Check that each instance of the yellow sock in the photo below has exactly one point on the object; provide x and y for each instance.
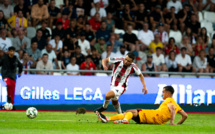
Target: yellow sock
(117, 117)
(128, 116)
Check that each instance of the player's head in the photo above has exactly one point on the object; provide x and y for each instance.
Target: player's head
(45, 58)
(3, 33)
(158, 50)
(78, 50)
(49, 48)
(25, 56)
(73, 60)
(94, 52)
(149, 58)
(88, 59)
(167, 92)
(11, 51)
(129, 58)
(183, 50)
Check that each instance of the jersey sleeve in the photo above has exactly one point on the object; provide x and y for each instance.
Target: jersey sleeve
(171, 101)
(178, 108)
(115, 60)
(136, 69)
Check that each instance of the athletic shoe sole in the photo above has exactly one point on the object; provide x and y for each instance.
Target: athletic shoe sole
(117, 122)
(100, 118)
(124, 122)
(121, 122)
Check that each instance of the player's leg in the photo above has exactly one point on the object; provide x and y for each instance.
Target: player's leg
(110, 94)
(116, 105)
(105, 119)
(13, 84)
(129, 114)
(124, 118)
(118, 91)
(8, 85)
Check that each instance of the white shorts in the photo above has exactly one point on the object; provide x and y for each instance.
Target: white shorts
(117, 91)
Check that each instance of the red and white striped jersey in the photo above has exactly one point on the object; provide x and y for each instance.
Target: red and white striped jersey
(121, 73)
(163, 36)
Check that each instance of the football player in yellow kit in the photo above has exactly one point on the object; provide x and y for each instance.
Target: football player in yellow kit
(166, 111)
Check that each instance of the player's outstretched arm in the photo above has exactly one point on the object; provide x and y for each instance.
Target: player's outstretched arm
(104, 63)
(183, 118)
(143, 82)
(172, 112)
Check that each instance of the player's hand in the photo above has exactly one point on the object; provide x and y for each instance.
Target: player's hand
(145, 90)
(19, 75)
(105, 67)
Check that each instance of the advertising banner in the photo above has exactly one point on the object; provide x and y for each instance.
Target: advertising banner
(56, 90)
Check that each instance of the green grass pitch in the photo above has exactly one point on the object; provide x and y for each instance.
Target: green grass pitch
(69, 123)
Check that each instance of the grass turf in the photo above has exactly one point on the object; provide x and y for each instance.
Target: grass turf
(69, 122)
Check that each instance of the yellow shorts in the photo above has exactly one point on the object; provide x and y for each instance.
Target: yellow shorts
(150, 116)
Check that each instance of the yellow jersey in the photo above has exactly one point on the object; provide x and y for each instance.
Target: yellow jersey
(153, 45)
(160, 115)
(22, 21)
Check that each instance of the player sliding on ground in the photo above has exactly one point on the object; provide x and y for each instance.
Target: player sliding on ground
(122, 69)
(166, 111)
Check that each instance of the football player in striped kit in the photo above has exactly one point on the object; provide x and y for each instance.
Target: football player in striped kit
(122, 69)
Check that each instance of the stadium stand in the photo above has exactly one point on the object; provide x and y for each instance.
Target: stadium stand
(76, 26)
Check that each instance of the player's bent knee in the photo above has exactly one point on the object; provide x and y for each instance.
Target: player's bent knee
(109, 95)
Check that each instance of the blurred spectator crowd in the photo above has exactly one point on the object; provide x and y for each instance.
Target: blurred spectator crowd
(164, 35)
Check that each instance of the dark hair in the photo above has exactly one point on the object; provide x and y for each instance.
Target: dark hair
(56, 35)
(93, 48)
(172, 51)
(211, 48)
(3, 14)
(2, 11)
(88, 57)
(81, 16)
(59, 23)
(186, 5)
(72, 57)
(172, 7)
(39, 30)
(33, 42)
(158, 48)
(204, 36)
(131, 55)
(13, 31)
(183, 48)
(109, 12)
(11, 48)
(45, 54)
(20, 11)
(96, 13)
(198, 39)
(66, 50)
(44, 21)
(171, 39)
(3, 29)
(169, 88)
(24, 53)
(202, 50)
(103, 22)
(129, 25)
